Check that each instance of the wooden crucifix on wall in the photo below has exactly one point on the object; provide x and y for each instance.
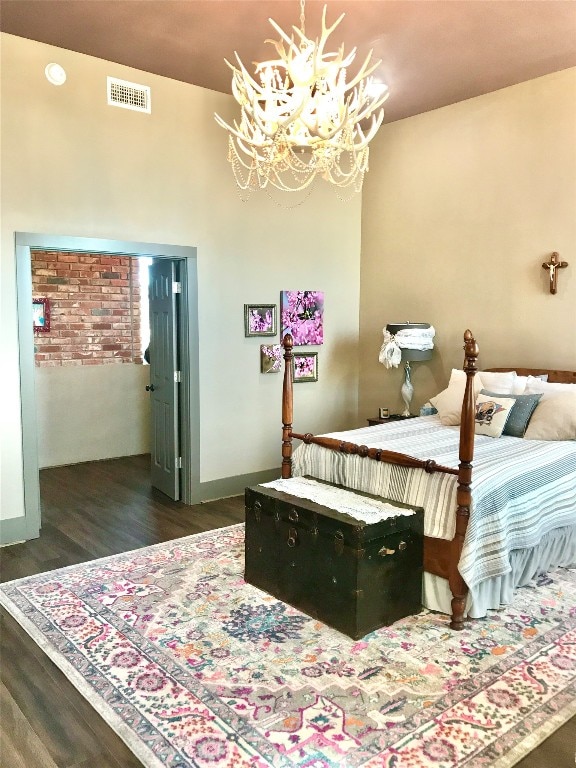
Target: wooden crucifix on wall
(553, 266)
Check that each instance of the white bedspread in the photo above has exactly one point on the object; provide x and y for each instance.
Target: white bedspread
(521, 489)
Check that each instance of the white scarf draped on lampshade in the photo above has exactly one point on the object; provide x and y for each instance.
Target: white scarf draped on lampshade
(406, 338)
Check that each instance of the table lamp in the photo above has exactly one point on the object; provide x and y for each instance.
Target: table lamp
(407, 342)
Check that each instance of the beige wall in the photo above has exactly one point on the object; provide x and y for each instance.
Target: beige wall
(92, 412)
(460, 208)
(71, 165)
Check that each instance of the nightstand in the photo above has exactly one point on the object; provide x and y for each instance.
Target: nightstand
(392, 417)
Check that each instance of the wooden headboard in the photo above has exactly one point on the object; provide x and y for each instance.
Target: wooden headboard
(559, 377)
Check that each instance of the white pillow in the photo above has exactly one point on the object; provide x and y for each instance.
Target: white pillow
(547, 388)
(520, 385)
(495, 381)
(554, 417)
(498, 381)
(521, 381)
(448, 403)
(456, 375)
(492, 414)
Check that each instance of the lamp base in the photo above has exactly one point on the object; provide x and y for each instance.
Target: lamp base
(407, 390)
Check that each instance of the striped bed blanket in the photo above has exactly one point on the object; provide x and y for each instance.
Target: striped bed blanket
(521, 489)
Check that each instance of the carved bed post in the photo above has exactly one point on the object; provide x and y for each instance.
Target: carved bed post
(458, 586)
(287, 408)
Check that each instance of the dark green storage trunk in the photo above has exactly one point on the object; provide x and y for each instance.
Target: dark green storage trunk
(352, 575)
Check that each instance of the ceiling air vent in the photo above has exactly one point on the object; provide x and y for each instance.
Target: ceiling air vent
(121, 93)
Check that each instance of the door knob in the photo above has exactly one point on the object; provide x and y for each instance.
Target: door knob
(150, 388)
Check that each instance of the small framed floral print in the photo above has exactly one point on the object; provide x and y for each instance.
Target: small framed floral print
(259, 319)
(270, 358)
(305, 366)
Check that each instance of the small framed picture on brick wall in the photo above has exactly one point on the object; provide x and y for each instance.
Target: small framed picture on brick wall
(41, 315)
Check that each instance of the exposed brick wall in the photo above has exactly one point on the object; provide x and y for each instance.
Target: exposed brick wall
(94, 308)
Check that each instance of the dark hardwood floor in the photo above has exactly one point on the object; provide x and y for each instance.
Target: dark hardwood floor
(89, 511)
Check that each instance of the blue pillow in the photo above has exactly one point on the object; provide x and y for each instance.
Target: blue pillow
(520, 414)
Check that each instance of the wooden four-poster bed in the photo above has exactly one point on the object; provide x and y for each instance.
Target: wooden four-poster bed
(441, 556)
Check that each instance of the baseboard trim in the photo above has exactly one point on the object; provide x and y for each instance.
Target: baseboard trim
(234, 486)
(15, 530)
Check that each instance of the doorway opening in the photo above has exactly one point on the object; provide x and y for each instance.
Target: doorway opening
(188, 354)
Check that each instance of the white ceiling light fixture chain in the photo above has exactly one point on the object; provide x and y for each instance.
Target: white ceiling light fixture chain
(303, 17)
(304, 119)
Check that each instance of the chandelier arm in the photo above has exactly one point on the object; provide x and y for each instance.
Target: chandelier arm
(241, 137)
(383, 97)
(244, 128)
(222, 123)
(359, 166)
(369, 110)
(240, 91)
(273, 63)
(302, 35)
(361, 103)
(260, 125)
(358, 98)
(366, 139)
(246, 76)
(327, 31)
(319, 44)
(364, 71)
(290, 40)
(251, 151)
(345, 61)
(358, 147)
(248, 166)
(282, 53)
(327, 135)
(280, 123)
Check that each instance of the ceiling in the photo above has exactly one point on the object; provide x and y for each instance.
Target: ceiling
(434, 52)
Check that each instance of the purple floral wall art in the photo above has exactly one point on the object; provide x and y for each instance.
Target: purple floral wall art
(259, 319)
(302, 315)
(270, 358)
(305, 367)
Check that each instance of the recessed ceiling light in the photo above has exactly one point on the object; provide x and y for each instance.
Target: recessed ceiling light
(55, 74)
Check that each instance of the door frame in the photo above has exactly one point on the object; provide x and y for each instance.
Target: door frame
(25, 243)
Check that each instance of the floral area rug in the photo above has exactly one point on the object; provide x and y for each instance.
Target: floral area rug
(194, 667)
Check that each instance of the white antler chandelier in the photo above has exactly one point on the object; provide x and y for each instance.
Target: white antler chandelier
(303, 119)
